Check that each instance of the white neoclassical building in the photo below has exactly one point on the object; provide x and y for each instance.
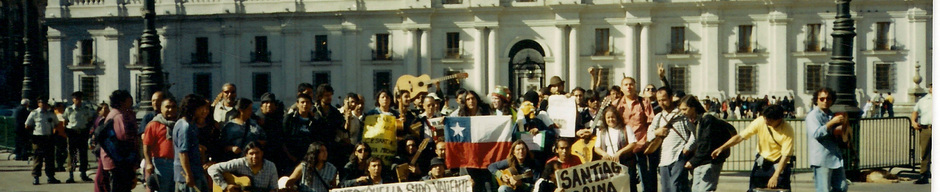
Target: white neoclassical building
(717, 48)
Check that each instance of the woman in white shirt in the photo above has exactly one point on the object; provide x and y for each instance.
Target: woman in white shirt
(613, 142)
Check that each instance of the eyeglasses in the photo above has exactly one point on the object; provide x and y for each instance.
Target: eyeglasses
(361, 150)
(824, 99)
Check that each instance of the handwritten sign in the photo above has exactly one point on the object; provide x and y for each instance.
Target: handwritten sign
(379, 133)
(563, 112)
(602, 175)
(450, 184)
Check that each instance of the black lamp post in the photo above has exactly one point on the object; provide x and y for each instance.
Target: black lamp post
(841, 78)
(152, 75)
(30, 41)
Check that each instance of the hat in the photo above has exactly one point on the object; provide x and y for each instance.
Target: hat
(555, 81)
(436, 161)
(501, 93)
(268, 97)
(434, 95)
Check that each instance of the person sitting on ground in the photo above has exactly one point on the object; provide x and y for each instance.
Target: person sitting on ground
(262, 172)
(548, 182)
(522, 168)
(358, 164)
(438, 170)
(314, 173)
(375, 175)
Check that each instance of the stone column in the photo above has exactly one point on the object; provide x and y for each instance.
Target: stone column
(230, 44)
(351, 59)
(573, 57)
(58, 68)
(779, 55)
(424, 57)
(560, 66)
(710, 67)
(293, 53)
(496, 69)
(412, 56)
(917, 31)
(479, 67)
(646, 68)
(629, 55)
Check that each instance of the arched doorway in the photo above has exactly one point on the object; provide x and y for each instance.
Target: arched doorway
(526, 67)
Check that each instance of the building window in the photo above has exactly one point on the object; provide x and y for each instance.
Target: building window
(260, 84)
(89, 87)
(452, 1)
(202, 84)
(815, 77)
(602, 41)
(321, 77)
(812, 38)
(746, 79)
(381, 51)
(881, 36)
(87, 52)
(261, 52)
(679, 78)
(883, 75)
(744, 39)
(382, 80)
(321, 50)
(677, 46)
(453, 45)
(202, 55)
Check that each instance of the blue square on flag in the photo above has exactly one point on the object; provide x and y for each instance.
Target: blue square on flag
(457, 129)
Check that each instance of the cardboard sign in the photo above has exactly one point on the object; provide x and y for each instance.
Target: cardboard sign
(563, 112)
(601, 175)
(379, 133)
(450, 184)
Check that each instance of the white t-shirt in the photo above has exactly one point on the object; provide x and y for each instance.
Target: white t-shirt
(611, 140)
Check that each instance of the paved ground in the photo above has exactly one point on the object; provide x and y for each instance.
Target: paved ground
(16, 177)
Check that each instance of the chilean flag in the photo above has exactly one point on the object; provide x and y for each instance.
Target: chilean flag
(475, 142)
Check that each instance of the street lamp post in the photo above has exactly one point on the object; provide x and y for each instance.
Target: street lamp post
(152, 72)
(841, 78)
(30, 56)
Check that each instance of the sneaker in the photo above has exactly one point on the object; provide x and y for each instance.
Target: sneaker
(53, 181)
(70, 180)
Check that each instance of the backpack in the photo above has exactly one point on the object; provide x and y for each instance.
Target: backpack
(121, 152)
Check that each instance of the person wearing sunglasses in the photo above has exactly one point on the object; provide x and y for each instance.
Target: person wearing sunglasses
(825, 155)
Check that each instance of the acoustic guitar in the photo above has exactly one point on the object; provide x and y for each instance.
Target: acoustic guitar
(517, 177)
(243, 183)
(418, 85)
(843, 133)
(402, 170)
(584, 149)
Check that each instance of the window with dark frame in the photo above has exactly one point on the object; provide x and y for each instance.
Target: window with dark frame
(89, 87)
(381, 51)
(450, 85)
(452, 1)
(382, 80)
(677, 46)
(321, 77)
(261, 52)
(261, 83)
(602, 41)
(881, 36)
(883, 75)
(453, 45)
(679, 78)
(202, 54)
(812, 37)
(321, 49)
(202, 84)
(815, 76)
(746, 79)
(87, 52)
(744, 39)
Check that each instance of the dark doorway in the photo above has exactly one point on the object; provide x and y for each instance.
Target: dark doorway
(526, 67)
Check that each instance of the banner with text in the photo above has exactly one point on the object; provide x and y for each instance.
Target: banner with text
(601, 175)
(379, 133)
(450, 184)
(563, 112)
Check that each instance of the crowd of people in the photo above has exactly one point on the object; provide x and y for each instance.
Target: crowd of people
(670, 141)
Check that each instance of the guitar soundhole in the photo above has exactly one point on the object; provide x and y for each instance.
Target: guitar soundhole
(421, 84)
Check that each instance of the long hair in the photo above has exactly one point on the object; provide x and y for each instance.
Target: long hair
(313, 152)
(242, 104)
(513, 161)
(390, 97)
(482, 108)
(692, 102)
(117, 98)
(550, 169)
(191, 103)
(619, 118)
(355, 160)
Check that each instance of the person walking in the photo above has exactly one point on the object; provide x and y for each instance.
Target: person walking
(41, 121)
(158, 146)
(120, 160)
(677, 140)
(711, 133)
(22, 148)
(187, 163)
(825, 155)
(922, 119)
(78, 119)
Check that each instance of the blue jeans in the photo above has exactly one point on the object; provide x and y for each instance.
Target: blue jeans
(830, 179)
(163, 170)
(705, 177)
(646, 168)
(201, 184)
(674, 176)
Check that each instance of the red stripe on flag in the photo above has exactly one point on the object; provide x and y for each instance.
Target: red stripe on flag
(476, 155)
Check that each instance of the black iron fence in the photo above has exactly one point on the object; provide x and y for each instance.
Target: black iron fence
(883, 143)
(7, 134)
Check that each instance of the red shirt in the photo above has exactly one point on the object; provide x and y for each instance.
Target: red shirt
(637, 114)
(155, 141)
(572, 161)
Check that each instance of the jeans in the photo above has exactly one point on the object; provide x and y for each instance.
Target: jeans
(646, 168)
(201, 184)
(705, 177)
(163, 170)
(674, 176)
(829, 179)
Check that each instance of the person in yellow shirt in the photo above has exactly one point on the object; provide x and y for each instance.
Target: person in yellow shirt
(772, 166)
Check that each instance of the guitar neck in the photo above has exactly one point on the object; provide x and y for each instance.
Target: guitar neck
(444, 78)
(421, 147)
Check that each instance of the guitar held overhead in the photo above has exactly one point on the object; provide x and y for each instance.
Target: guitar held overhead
(416, 86)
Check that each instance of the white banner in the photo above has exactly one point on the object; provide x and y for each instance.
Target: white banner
(563, 112)
(601, 175)
(450, 184)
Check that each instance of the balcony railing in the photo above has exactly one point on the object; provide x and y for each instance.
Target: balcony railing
(320, 55)
(261, 56)
(749, 47)
(452, 1)
(381, 55)
(884, 44)
(86, 60)
(814, 45)
(452, 53)
(201, 58)
(678, 47)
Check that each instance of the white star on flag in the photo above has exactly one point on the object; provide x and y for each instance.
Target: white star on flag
(458, 130)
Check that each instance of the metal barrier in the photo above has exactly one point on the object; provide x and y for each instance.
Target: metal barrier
(7, 133)
(883, 143)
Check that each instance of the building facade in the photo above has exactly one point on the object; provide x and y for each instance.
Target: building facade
(709, 48)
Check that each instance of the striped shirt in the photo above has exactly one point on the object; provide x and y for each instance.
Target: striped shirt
(266, 179)
(310, 183)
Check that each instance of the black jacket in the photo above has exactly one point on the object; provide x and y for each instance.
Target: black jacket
(712, 133)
